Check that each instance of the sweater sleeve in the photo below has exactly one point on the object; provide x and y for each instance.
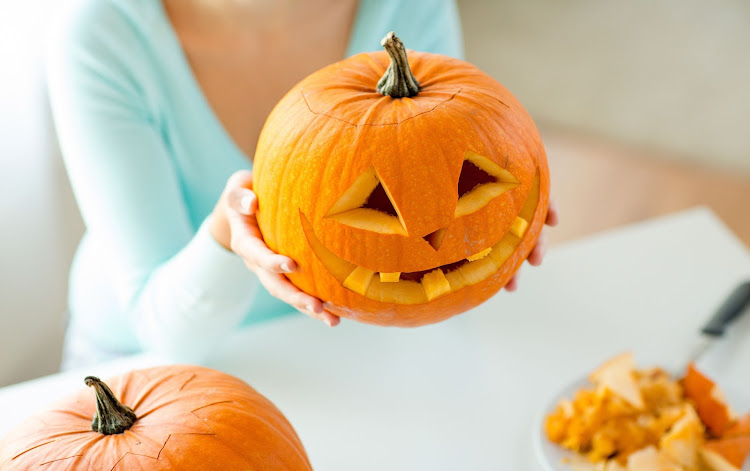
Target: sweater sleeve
(181, 290)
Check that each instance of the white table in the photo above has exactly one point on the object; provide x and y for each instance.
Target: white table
(466, 393)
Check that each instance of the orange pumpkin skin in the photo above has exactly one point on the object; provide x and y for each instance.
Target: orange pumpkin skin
(741, 427)
(189, 418)
(727, 454)
(333, 126)
(732, 450)
(709, 403)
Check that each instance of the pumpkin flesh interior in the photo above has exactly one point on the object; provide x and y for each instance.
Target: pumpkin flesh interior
(481, 181)
(366, 204)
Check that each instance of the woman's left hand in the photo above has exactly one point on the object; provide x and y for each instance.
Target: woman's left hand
(234, 226)
(537, 254)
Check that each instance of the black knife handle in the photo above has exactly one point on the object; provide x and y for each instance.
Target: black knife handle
(729, 311)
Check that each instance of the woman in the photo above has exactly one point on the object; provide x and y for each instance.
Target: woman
(157, 105)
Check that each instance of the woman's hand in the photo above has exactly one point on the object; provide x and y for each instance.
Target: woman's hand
(233, 225)
(537, 254)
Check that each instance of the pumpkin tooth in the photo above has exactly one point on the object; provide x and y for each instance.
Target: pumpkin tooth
(480, 255)
(359, 280)
(390, 277)
(519, 227)
(435, 284)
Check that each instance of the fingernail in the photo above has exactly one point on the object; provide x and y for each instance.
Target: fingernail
(241, 199)
(245, 202)
(328, 321)
(310, 308)
(286, 268)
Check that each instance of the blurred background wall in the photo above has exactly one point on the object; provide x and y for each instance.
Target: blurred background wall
(39, 220)
(668, 76)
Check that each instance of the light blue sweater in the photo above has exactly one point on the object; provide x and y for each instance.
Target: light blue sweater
(148, 159)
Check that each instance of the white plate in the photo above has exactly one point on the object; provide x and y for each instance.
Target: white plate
(550, 455)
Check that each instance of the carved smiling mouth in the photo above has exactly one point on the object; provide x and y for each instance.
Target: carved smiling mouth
(424, 286)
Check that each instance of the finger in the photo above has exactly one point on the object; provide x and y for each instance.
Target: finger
(553, 214)
(330, 319)
(236, 191)
(247, 243)
(243, 200)
(512, 285)
(240, 179)
(281, 288)
(537, 254)
(333, 318)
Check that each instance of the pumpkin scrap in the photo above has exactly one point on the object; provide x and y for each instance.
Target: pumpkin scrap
(625, 411)
(680, 443)
(709, 401)
(618, 376)
(726, 454)
(739, 428)
(642, 420)
(732, 450)
(650, 459)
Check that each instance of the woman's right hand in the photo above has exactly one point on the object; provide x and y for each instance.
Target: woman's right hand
(234, 226)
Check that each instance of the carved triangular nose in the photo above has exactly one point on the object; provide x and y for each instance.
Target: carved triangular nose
(435, 239)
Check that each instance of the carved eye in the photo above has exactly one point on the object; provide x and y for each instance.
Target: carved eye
(368, 205)
(480, 181)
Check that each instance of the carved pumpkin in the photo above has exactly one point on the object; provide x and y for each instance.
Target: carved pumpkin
(404, 199)
(182, 418)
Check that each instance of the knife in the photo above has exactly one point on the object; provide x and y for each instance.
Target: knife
(730, 310)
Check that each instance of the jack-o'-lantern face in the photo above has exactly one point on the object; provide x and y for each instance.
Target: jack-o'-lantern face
(367, 205)
(401, 211)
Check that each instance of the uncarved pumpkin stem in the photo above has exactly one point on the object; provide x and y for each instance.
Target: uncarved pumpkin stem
(398, 81)
(112, 417)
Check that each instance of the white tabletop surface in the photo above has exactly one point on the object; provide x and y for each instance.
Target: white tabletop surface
(466, 393)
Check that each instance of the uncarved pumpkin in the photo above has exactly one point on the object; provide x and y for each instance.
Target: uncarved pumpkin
(168, 418)
(404, 199)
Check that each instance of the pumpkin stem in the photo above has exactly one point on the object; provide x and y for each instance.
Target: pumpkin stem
(398, 81)
(111, 417)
